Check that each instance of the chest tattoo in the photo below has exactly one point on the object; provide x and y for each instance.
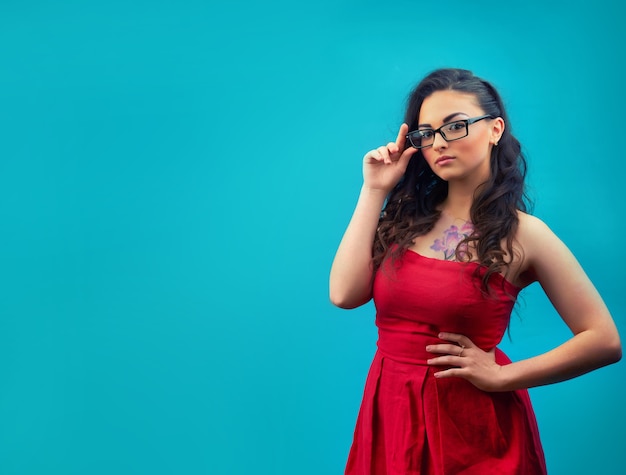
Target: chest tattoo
(451, 239)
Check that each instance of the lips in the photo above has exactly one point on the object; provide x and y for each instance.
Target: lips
(443, 160)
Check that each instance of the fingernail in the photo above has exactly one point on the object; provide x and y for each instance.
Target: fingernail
(428, 348)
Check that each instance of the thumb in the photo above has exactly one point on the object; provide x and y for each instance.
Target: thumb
(406, 155)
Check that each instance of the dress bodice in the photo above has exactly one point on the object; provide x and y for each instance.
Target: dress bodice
(417, 297)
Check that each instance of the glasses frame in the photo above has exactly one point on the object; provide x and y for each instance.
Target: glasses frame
(467, 122)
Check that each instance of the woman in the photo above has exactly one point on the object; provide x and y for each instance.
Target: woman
(444, 262)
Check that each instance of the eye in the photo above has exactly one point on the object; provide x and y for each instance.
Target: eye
(426, 134)
(455, 126)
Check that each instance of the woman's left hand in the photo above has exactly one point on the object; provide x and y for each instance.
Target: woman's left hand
(468, 361)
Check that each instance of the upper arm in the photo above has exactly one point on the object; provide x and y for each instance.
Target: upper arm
(549, 261)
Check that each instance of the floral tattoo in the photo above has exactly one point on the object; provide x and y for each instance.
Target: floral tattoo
(451, 239)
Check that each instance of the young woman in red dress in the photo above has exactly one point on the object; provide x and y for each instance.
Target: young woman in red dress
(441, 240)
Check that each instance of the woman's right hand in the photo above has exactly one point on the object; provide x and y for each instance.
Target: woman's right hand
(384, 166)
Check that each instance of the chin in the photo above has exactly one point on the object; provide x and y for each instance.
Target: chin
(446, 176)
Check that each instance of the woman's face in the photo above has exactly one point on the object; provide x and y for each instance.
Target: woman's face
(465, 159)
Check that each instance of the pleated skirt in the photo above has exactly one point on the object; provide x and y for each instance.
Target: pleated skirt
(412, 423)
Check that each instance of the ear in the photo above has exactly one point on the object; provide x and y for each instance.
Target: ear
(497, 129)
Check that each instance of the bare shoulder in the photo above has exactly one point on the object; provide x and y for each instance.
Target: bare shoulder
(531, 232)
(541, 249)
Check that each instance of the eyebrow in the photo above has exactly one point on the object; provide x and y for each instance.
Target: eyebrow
(445, 119)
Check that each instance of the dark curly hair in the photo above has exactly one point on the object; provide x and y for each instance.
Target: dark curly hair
(411, 206)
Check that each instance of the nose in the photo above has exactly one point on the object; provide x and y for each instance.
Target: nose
(439, 142)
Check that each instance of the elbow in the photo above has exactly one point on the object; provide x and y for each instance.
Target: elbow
(345, 300)
(341, 302)
(612, 351)
(615, 353)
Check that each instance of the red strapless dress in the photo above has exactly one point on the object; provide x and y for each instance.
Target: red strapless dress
(412, 423)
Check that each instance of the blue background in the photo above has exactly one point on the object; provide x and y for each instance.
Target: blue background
(175, 177)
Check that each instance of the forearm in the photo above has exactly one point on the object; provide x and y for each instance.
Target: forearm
(584, 352)
(351, 272)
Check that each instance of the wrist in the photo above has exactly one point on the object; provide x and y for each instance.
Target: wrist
(375, 192)
(505, 378)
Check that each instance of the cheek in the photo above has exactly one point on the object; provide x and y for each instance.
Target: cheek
(474, 147)
(429, 154)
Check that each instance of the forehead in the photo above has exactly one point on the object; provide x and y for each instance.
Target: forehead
(441, 104)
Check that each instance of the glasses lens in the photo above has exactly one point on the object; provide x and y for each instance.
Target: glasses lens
(454, 130)
(421, 138)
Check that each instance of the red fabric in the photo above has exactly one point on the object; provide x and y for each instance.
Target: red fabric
(412, 423)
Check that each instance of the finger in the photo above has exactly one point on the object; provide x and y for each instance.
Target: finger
(444, 349)
(449, 373)
(461, 340)
(384, 153)
(448, 360)
(373, 156)
(392, 148)
(401, 139)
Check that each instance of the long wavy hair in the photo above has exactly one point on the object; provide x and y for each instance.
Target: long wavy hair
(411, 208)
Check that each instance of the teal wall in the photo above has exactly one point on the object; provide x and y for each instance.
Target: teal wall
(175, 177)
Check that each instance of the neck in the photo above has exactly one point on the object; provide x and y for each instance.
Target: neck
(461, 192)
(458, 202)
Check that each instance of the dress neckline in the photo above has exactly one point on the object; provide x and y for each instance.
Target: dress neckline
(478, 264)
